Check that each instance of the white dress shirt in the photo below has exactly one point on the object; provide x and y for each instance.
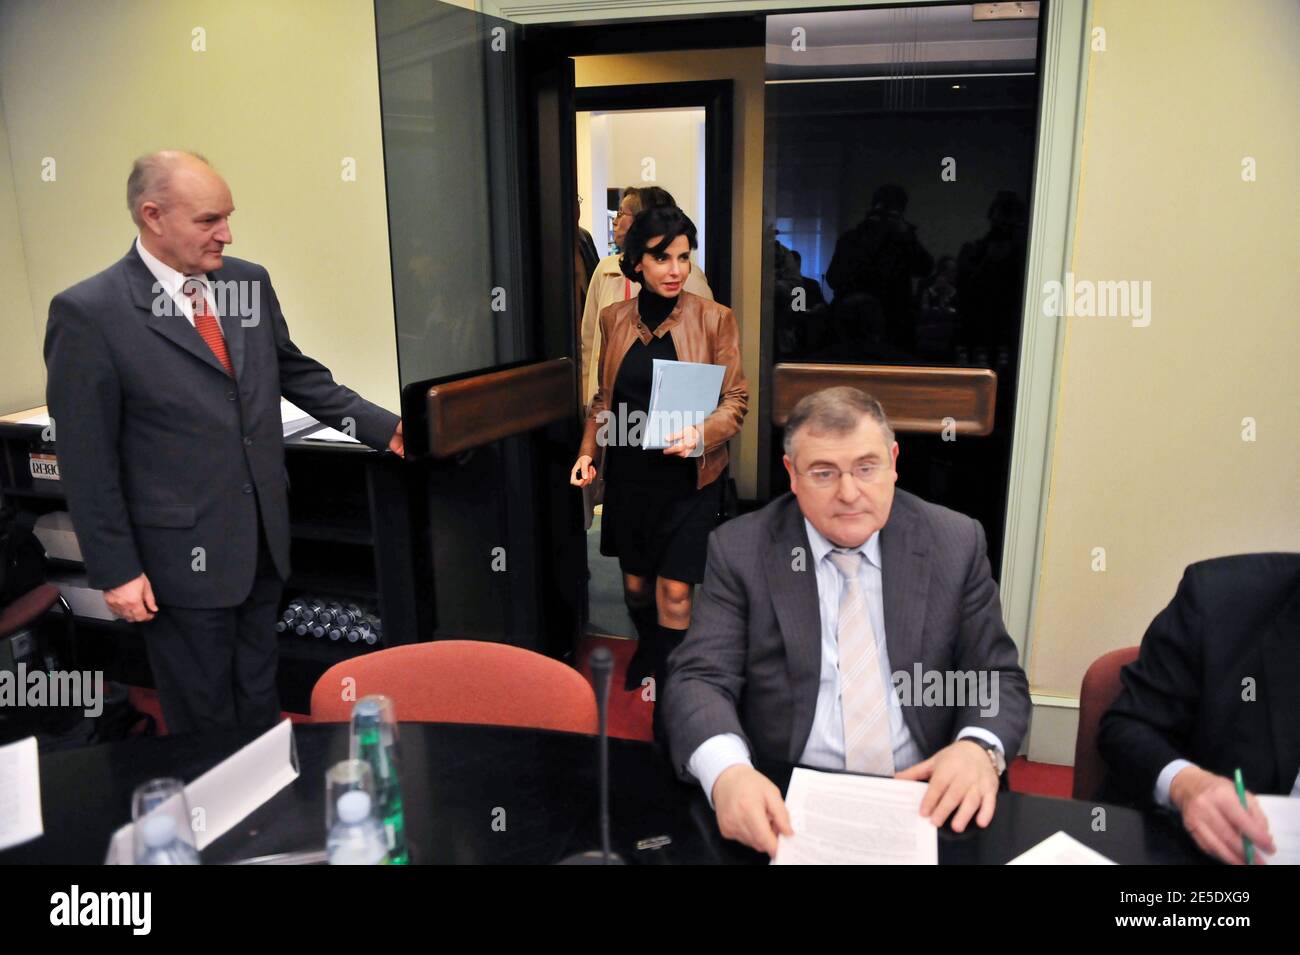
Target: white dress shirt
(824, 748)
(171, 281)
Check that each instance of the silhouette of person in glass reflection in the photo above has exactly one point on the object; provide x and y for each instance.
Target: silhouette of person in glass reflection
(872, 270)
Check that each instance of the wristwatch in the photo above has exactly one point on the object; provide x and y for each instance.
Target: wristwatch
(994, 753)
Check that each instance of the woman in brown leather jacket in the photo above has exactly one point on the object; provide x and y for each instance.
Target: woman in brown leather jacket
(659, 506)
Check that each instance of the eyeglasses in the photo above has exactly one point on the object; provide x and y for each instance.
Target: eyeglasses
(829, 477)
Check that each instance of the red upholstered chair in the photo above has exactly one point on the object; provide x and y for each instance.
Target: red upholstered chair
(1101, 686)
(462, 681)
(24, 613)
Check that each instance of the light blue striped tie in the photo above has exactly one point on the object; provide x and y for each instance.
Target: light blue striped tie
(867, 747)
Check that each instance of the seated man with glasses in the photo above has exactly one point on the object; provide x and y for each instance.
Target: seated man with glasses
(818, 617)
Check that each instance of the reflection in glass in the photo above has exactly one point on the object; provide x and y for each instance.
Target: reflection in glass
(446, 78)
(899, 154)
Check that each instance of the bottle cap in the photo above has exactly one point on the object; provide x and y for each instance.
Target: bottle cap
(354, 806)
(159, 829)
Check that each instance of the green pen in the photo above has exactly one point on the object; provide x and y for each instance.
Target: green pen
(1241, 794)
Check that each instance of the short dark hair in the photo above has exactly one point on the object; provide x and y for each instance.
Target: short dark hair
(668, 221)
(648, 197)
(835, 411)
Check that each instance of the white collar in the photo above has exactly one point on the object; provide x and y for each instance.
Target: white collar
(170, 280)
(870, 548)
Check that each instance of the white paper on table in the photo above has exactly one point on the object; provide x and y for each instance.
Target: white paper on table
(1060, 848)
(228, 792)
(20, 793)
(1284, 825)
(293, 419)
(42, 418)
(840, 819)
(331, 434)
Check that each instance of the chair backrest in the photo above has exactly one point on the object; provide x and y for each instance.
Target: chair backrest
(24, 611)
(1101, 686)
(461, 681)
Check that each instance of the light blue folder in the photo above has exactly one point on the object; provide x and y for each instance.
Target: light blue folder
(682, 393)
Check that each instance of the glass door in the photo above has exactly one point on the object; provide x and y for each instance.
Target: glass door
(474, 172)
(898, 162)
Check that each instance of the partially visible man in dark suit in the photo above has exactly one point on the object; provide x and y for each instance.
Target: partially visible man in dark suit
(816, 609)
(1216, 687)
(165, 373)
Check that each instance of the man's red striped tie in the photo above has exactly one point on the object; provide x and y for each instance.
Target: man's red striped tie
(206, 324)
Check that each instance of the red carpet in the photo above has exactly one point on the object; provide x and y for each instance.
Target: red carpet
(629, 714)
(1041, 779)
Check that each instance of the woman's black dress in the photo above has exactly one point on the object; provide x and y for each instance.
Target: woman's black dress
(654, 519)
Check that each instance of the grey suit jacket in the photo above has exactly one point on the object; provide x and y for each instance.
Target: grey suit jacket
(165, 459)
(751, 662)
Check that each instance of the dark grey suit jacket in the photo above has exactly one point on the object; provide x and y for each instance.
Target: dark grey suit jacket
(751, 662)
(1234, 623)
(161, 452)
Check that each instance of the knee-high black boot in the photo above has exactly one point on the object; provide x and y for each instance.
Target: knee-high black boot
(641, 665)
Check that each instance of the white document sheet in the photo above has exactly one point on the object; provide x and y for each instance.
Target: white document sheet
(332, 435)
(840, 819)
(1284, 824)
(1060, 849)
(228, 792)
(293, 419)
(681, 393)
(20, 793)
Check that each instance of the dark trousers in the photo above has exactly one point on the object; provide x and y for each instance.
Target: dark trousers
(216, 668)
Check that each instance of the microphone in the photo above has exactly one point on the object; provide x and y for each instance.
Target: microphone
(602, 665)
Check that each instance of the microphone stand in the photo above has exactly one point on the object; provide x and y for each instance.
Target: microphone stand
(602, 665)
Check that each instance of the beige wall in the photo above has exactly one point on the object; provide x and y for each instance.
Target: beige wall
(1149, 460)
(745, 67)
(284, 92)
(22, 372)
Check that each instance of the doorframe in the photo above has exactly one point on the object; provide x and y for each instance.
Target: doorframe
(643, 26)
(717, 97)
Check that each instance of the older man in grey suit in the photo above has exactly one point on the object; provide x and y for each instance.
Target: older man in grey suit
(165, 373)
(846, 626)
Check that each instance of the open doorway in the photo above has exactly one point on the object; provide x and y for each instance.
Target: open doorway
(674, 137)
(484, 182)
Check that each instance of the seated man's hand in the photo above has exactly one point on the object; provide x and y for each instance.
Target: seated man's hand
(962, 779)
(750, 808)
(1213, 815)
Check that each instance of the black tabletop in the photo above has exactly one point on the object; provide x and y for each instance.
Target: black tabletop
(487, 794)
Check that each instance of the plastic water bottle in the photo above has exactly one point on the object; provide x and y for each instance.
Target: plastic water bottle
(161, 844)
(374, 740)
(356, 838)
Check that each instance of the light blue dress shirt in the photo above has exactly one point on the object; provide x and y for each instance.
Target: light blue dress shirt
(824, 748)
(1166, 779)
